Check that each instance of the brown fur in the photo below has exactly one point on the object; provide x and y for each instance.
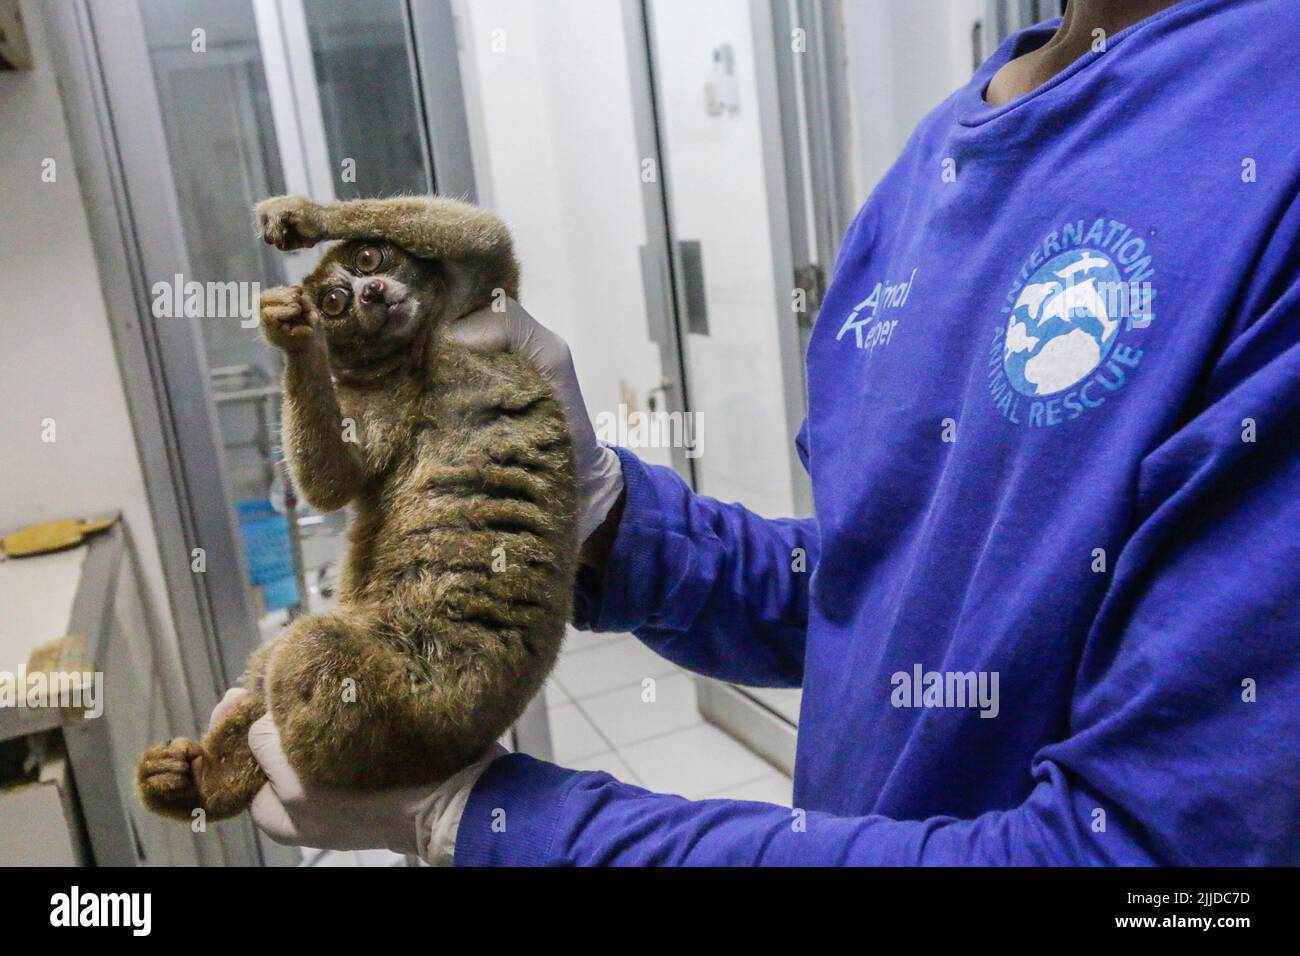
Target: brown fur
(458, 582)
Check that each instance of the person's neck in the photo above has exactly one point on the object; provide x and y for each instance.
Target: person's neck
(1076, 36)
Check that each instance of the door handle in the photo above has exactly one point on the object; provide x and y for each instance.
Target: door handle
(652, 396)
(690, 253)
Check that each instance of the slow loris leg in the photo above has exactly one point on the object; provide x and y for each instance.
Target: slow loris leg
(426, 227)
(217, 776)
(327, 468)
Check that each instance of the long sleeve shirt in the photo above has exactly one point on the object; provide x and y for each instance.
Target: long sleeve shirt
(1048, 611)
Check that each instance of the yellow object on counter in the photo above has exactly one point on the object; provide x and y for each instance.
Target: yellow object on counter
(52, 536)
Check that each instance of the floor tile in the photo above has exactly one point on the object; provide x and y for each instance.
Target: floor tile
(380, 858)
(611, 763)
(556, 695)
(572, 735)
(336, 858)
(784, 701)
(605, 667)
(624, 717)
(693, 762)
(576, 641)
(774, 788)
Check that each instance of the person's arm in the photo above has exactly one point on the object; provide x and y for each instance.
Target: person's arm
(594, 556)
(710, 586)
(1184, 731)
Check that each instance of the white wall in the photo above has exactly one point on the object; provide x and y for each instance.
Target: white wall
(717, 170)
(56, 353)
(904, 58)
(555, 155)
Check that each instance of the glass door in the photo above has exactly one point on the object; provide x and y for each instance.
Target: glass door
(257, 98)
(721, 140)
(630, 146)
(201, 108)
(732, 203)
(554, 107)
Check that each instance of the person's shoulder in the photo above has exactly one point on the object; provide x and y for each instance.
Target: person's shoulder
(1260, 24)
(939, 120)
(1260, 13)
(1237, 54)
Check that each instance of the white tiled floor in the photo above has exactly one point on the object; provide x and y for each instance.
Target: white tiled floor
(588, 670)
(643, 709)
(616, 706)
(776, 788)
(630, 714)
(694, 762)
(608, 762)
(573, 735)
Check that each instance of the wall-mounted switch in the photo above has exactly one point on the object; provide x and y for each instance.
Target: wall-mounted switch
(722, 92)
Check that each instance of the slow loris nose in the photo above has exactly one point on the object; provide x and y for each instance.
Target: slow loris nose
(373, 291)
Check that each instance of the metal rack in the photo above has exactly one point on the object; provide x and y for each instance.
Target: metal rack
(106, 825)
(252, 385)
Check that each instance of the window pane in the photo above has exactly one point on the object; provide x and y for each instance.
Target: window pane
(361, 51)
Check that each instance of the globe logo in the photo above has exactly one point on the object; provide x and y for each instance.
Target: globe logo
(1061, 327)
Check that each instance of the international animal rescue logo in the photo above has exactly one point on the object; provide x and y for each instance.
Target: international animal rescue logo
(1074, 320)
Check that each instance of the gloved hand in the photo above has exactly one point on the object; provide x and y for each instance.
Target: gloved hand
(420, 821)
(600, 474)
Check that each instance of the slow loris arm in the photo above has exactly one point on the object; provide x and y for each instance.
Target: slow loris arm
(326, 468)
(427, 227)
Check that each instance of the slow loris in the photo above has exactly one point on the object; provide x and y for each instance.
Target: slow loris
(459, 468)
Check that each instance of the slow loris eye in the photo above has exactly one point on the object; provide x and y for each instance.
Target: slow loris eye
(335, 302)
(369, 258)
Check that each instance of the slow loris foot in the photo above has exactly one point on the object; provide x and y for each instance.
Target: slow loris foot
(167, 779)
(218, 776)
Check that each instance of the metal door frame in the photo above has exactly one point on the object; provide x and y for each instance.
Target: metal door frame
(1005, 17)
(795, 214)
(660, 264)
(435, 41)
(107, 87)
(120, 151)
(817, 133)
(803, 115)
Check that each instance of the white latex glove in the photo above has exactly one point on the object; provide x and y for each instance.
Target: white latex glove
(420, 821)
(600, 474)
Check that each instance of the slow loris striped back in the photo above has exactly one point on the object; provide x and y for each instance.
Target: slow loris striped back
(459, 470)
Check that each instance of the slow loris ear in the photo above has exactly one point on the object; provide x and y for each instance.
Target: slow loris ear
(475, 284)
(479, 255)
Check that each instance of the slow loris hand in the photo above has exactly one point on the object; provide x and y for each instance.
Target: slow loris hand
(291, 222)
(287, 320)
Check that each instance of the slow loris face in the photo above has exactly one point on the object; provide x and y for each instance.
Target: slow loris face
(371, 298)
